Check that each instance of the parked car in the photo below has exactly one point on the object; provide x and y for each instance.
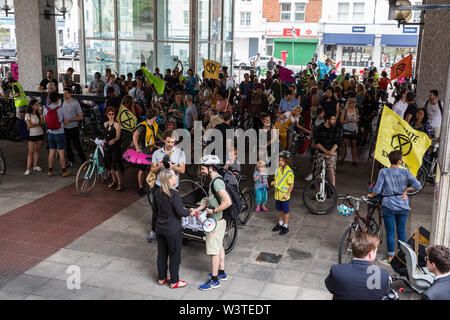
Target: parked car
(70, 49)
(8, 50)
(249, 63)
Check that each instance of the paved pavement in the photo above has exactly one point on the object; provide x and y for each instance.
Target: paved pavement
(116, 262)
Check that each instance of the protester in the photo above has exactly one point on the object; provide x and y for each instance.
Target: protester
(49, 78)
(438, 262)
(113, 153)
(411, 110)
(35, 122)
(97, 86)
(433, 107)
(261, 186)
(400, 107)
(349, 120)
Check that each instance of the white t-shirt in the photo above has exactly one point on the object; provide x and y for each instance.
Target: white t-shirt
(434, 115)
(288, 116)
(400, 108)
(36, 131)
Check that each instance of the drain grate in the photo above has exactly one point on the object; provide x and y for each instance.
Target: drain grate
(268, 257)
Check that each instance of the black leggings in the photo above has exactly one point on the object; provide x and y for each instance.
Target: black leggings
(113, 158)
(169, 245)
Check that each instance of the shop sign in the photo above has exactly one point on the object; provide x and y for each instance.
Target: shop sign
(409, 29)
(287, 32)
(358, 29)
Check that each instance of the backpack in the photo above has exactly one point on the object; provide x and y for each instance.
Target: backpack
(232, 212)
(51, 119)
(439, 104)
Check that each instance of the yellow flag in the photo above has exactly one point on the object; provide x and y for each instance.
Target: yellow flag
(396, 134)
(211, 68)
(126, 119)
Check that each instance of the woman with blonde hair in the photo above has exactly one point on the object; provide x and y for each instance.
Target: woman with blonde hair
(349, 120)
(167, 210)
(286, 123)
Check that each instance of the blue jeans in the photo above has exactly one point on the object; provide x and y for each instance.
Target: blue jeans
(261, 196)
(394, 219)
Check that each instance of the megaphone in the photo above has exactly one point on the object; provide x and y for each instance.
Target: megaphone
(208, 224)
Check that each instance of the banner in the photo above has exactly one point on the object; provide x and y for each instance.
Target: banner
(402, 69)
(396, 134)
(211, 68)
(126, 119)
(286, 74)
(156, 81)
(323, 69)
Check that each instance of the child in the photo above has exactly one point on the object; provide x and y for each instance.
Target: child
(261, 185)
(284, 183)
(234, 166)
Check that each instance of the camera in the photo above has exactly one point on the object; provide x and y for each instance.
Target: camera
(166, 161)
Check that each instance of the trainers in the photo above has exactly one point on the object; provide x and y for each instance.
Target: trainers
(283, 231)
(257, 209)
(222, 277)
(38, 169)
(69, 164)
(277, 227)
(27, 173)
(208, 285)
(309, 177)
(384, 261)
(66, 173)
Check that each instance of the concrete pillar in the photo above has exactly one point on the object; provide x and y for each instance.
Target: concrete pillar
(36, 42)
(376, 55)
(339, 50)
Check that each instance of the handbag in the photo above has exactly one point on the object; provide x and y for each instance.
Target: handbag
(151, 179)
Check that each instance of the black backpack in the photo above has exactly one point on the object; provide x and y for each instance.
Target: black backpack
(232, 212)
(439, 104)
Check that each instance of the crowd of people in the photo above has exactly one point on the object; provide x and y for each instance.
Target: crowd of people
(332, 111)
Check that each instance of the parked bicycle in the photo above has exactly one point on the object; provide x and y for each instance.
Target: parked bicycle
(371, 223)
(427, 171)
(90, 170)
(319, 195)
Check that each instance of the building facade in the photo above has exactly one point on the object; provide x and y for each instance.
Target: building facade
(357, 32)
(121, 34)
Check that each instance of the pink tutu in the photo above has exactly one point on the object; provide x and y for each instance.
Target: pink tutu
(134, 157)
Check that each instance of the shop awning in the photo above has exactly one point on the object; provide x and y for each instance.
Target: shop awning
(349, 39)
(399, 40)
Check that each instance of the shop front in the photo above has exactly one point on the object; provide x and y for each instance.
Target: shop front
(396, 47)
(355, 50)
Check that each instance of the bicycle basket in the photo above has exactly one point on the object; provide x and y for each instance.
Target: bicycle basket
(344, 210)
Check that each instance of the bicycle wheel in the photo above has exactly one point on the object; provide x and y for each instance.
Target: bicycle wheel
(12, 129)
(345, 247)
(374, 224)
(313, 199)
(2, 163)
(248, 205)
(86, 177)
(192, 171)
(422, 177)
(230, 238)
(106, 175)
(297, 162)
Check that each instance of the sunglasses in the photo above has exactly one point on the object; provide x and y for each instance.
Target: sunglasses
(110, 114)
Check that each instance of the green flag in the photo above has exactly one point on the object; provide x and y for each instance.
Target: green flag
(157, 82)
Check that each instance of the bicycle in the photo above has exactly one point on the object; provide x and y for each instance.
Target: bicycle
(2, 162)
(298, 141)
(428, 169)
(90, 170)
(319, 195)
(371, 223)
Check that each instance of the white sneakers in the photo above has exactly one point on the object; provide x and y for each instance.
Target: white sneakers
(38, 169)
(27, 173)
(309, 177)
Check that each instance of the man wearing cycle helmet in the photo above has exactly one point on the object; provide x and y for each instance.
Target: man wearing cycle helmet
(97, 86)
(214, 206)
(284, 184)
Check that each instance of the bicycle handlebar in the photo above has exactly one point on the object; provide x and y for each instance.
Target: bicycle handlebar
(349, 197)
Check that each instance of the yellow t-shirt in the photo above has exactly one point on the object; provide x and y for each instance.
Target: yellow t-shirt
(290, 180)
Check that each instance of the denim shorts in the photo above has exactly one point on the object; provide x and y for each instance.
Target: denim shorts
(57, 141)
(282, 206)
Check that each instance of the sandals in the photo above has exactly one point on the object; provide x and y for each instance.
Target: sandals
(179, 284)
(112, 185)
(163, 282)
(119, 187)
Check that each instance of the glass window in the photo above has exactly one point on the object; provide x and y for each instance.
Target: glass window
(202, 54)
(285, 11)
(392, 55)
(186, 18)
(132, 53)
(170, 53)
(226, 59)
(104, 50)
(300, 11)
(356, 56)
(227, 19)
(330, 51)
(99, 18)
(170, 22)
(216, 20)
(135, 19)
(245, 18)
(343, 11)
(358, 11)
(269, 47)
(203, 19)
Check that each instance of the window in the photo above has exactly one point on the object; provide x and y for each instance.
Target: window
(343, 11)
(300, 11)
(358, 11)
(269, 47)
(186, 18)
(416, 13)
(245, 18)
(285, 12)
(353, 56)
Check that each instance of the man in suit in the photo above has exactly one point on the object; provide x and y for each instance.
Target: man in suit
(359, 279)
(438, 262)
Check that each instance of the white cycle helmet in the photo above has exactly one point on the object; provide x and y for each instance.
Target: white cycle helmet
(210, 160)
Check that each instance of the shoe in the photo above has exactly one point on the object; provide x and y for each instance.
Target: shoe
(38, 169)
(208, 285)
(309, 177)
(66, 173)
(257, 209)
(163, 282)
(141, 191)
(384, 261)
(50, 173)
(112, 185)
(69, 164)
(27, 173)
(283, 231)
(277, 227)
(179, 284)
(264, 209)
(222, 277)
(119, 188)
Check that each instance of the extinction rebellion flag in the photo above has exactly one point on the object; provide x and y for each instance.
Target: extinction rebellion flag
(402, 69)
(396, 134)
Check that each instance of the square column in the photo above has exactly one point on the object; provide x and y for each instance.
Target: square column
(36, 42)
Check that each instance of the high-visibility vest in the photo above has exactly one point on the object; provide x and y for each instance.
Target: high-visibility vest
(281, 179)
(21, 100)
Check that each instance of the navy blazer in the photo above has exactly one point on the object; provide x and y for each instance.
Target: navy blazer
(439, 290)
(350, 281)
